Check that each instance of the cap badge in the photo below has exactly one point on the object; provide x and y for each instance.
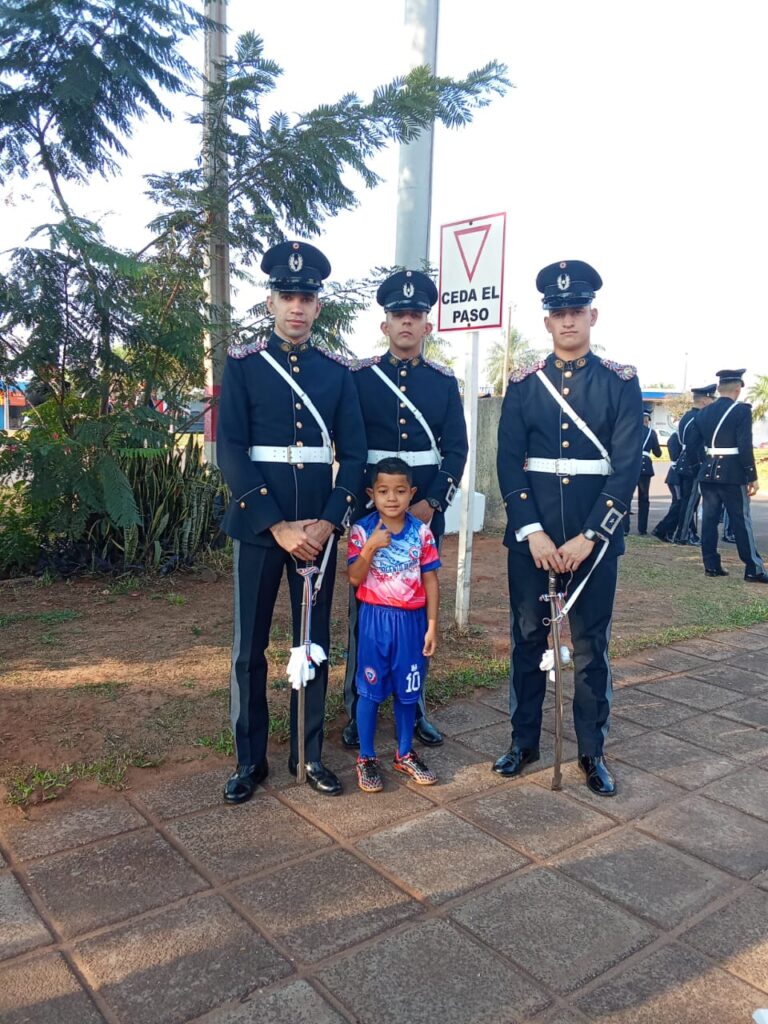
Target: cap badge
(408, 290)
(295, 262)
(563, 282)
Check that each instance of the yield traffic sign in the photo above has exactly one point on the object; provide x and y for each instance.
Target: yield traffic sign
(471, 273)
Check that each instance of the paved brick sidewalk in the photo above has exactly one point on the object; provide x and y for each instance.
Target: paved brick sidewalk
(475, 901)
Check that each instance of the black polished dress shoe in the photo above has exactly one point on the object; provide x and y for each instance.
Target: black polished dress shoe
(599, 779)
(427, 733)
(759, 578)
(350, 736)
(515, 759)
(241, 784)
(716, 572)
(319, 777)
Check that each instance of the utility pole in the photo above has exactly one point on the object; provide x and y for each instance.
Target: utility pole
(414, 192)
(217, 179)
(505, 365)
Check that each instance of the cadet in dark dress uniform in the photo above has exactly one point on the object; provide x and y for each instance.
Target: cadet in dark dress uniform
(568, 460)
(688, 467)
(721, 436)
(665, 528)
(287, 408)
(650, 446)
(412, 410)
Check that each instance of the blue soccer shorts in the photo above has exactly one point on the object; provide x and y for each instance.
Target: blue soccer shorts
(389, 658)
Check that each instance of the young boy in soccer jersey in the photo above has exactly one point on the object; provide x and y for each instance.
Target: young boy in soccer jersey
(393, 563)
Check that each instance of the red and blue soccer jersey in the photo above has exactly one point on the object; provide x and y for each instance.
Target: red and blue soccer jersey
(394, 578)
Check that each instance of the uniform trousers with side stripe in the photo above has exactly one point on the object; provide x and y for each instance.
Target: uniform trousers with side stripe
(735, 500)
(258, 571)
(590, 627)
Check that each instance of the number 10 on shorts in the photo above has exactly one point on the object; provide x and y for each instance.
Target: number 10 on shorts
(413, 679)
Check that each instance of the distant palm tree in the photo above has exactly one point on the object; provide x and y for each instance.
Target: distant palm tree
(758, 396)
(519, 353)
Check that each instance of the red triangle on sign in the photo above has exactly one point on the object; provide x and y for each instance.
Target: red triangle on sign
(469, 244)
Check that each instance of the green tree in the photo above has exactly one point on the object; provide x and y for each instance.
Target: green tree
(519, 353)
(103, 330)
(758, 396)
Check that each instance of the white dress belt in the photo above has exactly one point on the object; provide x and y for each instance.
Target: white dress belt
(570, 467)
(722, 451)
(293, 454)
(422, 458)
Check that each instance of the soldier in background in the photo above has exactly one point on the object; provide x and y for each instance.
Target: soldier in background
(650, 446)
(721, 437)
(687, 467)
(665, 528)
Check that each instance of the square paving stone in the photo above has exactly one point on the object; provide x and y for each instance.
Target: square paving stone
(737, 938)
(744, 639)
(498, 698)
(564, 1017)
(180, 963)
(173, 798)
(753, 712)
(746, 790)
(535, 820)
(297, 1003)
(716, 833)
(356, 812)
(466, 715)
(675, 760)
(554, 928)
(494, 741)
(734, 739)
(440, 855)
(705, 647)
(669, 660)
(753, 662)
(694, 693)
(111, 881)
(240, 840)
(646, 706)
(325, 904)
(646, 876)
(637, 792)
(59, 829)
(43, 990)
(435, 966)
(627, 673)
(731, 678)
(621, 729)
(674, 985)
(20, 927)
(460, 771)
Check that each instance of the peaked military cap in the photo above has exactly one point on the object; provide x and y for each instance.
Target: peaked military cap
(407, 289)
(705, 392)
(730, 376)
(295, 267)
(568, 284)
(647, 411)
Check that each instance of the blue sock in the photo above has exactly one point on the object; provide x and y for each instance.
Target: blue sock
(367, 711)
(405, 721)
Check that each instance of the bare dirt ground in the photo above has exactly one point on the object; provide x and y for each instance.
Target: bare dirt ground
(102, 677)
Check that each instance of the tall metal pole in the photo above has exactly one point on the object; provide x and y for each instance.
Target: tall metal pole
(217, 178)
(467, 527)
(505, 364)
(414, 193)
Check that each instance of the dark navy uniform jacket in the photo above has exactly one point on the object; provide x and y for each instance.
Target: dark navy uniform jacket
(674, 449)
(689, 461)
(651, 445)
(607, 397)
(258, 407)
(736, 432)
(391, 426)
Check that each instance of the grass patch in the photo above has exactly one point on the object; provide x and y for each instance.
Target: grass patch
(463, 682)
(39, 785)
(125, 584)
(110, 689)
(222, 742)
(44, 618)
(714, 619)
(176, 599)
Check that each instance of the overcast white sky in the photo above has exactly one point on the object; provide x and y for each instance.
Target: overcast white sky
(633, 140)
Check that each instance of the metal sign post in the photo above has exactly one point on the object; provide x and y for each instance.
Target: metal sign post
(471, 280)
